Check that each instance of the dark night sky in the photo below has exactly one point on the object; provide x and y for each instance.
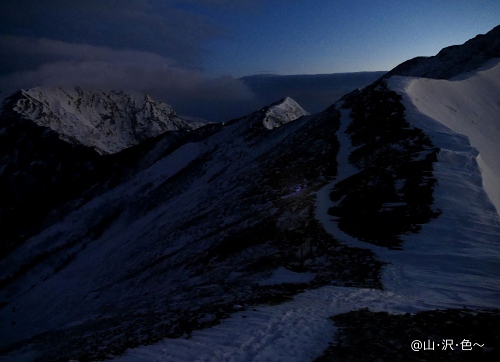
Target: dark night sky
(197, 49)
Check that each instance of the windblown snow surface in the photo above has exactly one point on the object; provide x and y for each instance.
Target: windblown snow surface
(451, 263)
(469, 105)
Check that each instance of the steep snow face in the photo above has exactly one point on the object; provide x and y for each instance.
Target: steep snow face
(469, 106)
(107, 122)
(282, 112)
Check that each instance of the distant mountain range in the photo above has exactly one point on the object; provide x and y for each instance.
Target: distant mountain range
(126, 230)
(314, 92)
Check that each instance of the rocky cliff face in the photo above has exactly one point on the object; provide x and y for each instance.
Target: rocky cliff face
(56, 144)
(108, 122)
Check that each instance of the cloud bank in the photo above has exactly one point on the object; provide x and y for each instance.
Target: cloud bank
(148, 46)
(188, 90)
(162, 27)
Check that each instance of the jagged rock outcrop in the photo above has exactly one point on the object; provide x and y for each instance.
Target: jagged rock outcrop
(108, 122)
(56, 144)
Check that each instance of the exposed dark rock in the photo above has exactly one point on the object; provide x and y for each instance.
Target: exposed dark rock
(392, 193)
(453, 60)
(379, 336)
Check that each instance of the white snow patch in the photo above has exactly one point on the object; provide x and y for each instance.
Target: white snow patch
(295, 331)
(285, 111)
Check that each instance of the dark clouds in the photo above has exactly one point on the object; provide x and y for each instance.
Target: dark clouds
(145, 25)
(149, 46)
(98, 67)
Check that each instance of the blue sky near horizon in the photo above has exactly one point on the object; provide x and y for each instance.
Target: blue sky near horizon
(194, 51)
(312, 37)
(246, 37)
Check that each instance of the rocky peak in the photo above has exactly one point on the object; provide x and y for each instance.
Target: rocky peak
(276, 114)
(106, 121)
(284, 111)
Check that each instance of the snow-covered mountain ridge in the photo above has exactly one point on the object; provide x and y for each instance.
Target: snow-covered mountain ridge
(181, 247)
(106, 121)
(410, 167)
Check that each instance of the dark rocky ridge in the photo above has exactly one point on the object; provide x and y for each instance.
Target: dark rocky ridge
(453, 60)
(368, 336)
(392, 193)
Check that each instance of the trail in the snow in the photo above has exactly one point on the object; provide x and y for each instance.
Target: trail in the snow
(451, 263)
(295, 331)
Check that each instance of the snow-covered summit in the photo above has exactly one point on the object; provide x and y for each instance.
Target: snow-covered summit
(106, 121)
(281, 112)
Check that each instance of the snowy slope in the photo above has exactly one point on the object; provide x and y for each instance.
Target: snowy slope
(56, 143)
(296, 331)
(176, 245)
(468, 105)
(108, 122)
(451, 263)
